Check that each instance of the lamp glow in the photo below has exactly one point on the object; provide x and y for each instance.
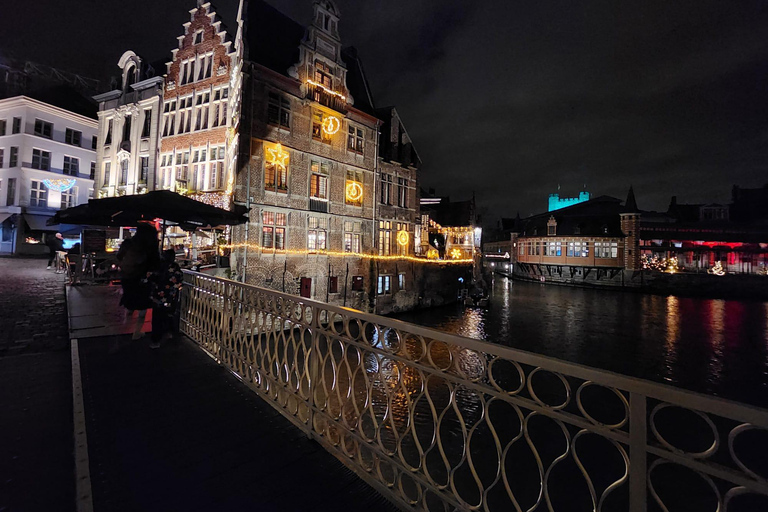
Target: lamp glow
(402, 238)
(354, 191)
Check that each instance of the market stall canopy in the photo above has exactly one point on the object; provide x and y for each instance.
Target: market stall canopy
(158, 204)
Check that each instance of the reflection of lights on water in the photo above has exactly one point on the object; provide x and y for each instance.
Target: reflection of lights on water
(717, 334)
(673, 332)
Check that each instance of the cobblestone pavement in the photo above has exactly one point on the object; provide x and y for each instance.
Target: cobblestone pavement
(36, 448)
(34, 313)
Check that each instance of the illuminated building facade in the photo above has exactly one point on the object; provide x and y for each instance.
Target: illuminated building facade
(330, 180)
(126, 153)
(47, 159)
(450, 229)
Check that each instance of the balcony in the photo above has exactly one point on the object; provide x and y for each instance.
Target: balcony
(318, 205)
(319, 94)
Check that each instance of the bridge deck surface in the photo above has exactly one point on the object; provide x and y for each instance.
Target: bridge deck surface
(169, 429)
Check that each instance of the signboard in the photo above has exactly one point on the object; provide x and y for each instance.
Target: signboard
(94, 240)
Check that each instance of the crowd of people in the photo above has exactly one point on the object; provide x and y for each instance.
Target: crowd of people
(150, 280)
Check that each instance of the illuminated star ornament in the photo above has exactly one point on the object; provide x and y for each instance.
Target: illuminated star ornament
(278, 156)
(331, 125)
(455, 253)
(402, 238)
(354, 191)
(60, 185)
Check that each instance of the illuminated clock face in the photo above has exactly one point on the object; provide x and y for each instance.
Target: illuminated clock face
(402, 237)
(331, 125)
(354, 191)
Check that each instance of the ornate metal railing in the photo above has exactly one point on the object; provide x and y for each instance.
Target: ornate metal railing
(440, 422)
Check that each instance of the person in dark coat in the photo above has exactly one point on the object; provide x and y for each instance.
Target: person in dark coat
(54, 244)
(138, 258)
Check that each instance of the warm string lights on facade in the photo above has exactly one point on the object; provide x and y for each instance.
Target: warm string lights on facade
(354, 191)
(329, 91)
(331, 125)
(277, 156)
(304, 252)
(59, 185)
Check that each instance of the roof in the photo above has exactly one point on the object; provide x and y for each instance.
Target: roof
(67, 98)
(272, 40)
(596, 217)
(447, 213)
(394, 143)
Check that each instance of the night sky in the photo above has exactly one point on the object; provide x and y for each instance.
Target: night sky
(507, 98)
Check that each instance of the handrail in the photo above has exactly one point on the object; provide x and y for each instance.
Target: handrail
(436, 420)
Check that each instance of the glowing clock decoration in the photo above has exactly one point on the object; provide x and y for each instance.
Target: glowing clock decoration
(59, 185)
(331, 125)
(277, 156)
(402, 238)
(354, 191)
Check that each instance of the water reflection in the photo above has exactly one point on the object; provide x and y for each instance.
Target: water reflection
(714, 346)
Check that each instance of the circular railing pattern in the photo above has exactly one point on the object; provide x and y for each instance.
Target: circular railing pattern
(439, 422)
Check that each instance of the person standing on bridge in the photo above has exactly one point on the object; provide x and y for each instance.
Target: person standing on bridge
(138, 258)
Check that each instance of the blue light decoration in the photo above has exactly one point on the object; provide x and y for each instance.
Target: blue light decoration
(59, 185)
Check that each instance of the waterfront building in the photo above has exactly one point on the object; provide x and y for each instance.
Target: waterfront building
(556, 202)
(331, 181)
(452, 228)
(47, 161)
(127, 148)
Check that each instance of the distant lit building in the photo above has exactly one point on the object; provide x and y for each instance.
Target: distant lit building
(556, 202)
(47, 161)
(450, 229)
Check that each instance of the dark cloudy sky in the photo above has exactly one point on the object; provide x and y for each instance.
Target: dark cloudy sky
(511, 98)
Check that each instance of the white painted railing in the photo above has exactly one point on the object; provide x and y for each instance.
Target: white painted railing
(440, 422)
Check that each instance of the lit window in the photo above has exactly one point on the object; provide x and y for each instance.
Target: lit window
(354, 188)
(384, 285)
(318, 133)
(355, 139)
(273, 230)
(317, 233)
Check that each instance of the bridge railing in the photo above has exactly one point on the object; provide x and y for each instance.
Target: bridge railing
(441, 422)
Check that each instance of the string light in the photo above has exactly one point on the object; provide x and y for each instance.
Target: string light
(354, 191)
(402, 238)
(331, 125)
(317, 84)
(278, 156)
(304, 252)
(59, 185)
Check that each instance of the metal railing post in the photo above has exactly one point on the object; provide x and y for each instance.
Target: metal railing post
(637, 453)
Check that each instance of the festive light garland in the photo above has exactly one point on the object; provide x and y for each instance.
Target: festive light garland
(354, 191)
(304, 252)
(278, 156)
(59, 185)
(402, 238)
(317, 84)
(331, 125)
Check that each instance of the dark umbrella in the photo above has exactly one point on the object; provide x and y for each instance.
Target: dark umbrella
(158, 204)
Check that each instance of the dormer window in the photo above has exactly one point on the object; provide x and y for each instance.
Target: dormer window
(551, 226)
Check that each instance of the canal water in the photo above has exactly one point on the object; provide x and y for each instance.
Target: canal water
(717, 347)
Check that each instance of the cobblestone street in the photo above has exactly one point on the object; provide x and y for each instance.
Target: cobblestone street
(36, 452)
(34, 316)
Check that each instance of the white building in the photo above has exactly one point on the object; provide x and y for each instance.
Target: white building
(129, 117)
(47, 161)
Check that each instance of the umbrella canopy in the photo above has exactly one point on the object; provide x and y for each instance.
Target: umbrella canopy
(158, 204)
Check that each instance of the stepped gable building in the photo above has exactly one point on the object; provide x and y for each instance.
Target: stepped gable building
(47, 158)
(129, 114)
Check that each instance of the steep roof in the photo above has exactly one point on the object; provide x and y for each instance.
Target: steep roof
(271, 38)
